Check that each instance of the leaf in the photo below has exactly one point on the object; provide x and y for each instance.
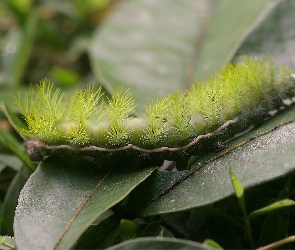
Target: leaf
(276, 224)
(64, 76)
(239, 191)
(11, 197)
(237, 185)
(16, 147)
(159, 243)
(231, 22)
(18, 46)
(212, 243)
(162, 46)
(165, 233)
(102, 235)
(272, 207)
(274, 34)
(11, 161)
(7, 96)
(9, 141)
(127, 229)
(14, 120)
(260, 160)
(63, 197)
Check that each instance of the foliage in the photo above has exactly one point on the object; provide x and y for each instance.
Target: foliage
(154, 48)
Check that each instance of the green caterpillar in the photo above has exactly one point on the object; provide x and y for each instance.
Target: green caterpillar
(171, 128)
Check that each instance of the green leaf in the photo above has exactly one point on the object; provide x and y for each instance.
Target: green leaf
(257, 161)
(19, 44)
(237, 185)
(63, 76)
(159, 243)
(273, 33)
(11, 198)
(165, 233)
(276, 223)
(11, 161)
(239, 191)
(7, 95)
(272, 207)
(155, 229)
(127, 229)
(14, 120)
(212, 243)
(63, 198)
(16, 147)
(9, 141)
(19, 9)
(225, 34)
(102, 235)
(145, 47)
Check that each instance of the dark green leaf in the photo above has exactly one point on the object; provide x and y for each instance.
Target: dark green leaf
(11, 161)
(272, 207)
(63, 197)
(18, 47)
(165, 233)
(14, 120)
(7, 96)
(16, 147)
(274, 33)
(101, 235)
(159, 243)
(276, 223)
(156, 48)
(127, 229)
(11, 198)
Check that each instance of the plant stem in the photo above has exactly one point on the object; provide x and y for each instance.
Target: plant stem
(8, 245)
(278, 243)
(249, 230)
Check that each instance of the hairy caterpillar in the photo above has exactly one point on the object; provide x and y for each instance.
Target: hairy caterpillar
(172, 128)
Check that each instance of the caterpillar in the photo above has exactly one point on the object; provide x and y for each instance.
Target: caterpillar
(173, 128)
